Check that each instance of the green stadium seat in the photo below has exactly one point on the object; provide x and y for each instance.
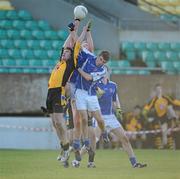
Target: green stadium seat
(35, 63)
(175, 46)
(176, 65)
(1, 62)
(117, 71)
(49, 63)
(41, 54)
(26, 34)
(113, 63)
(167, 66)
(39, 35)
(164, 46)
(12, 15)
(131, 72)
(57, 44)
(29, 70)
(21, 44)
(14, 53)
(144, 72)
(2, 15)
(123, 63)
(118, 63)
(4, 70)
(51, 35)
(46, 44)
(17, 24)
(24, 15)
(33, 44)
(43, 25)
(151, 46)
(131, 55)
(53, 54)
(62, 34)
(3, 34)
(127, 46)
(31, 25)
(28, 54)
(173, 56)
(4, 53)
(41, 70)
(160, 56)
(7, 44)
(140, 46)
(151, 64)
(15, 70)
(13, 34)
(9, 62)
(6, 24)
(22, 63)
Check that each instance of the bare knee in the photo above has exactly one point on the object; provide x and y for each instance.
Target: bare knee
(59, 124)
(84, 119)
(84, 122)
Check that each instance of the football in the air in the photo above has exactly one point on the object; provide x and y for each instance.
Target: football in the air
(80, 12)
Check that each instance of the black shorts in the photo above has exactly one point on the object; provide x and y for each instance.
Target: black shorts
(55, 101)
(163, 119)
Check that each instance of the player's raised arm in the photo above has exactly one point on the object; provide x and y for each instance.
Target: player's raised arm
(71, 39)
(83, 34)
(94, 76)
(174, 102)
(89, 38)
(78, 43)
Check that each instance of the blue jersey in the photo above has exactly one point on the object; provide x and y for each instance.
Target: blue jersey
(97, 72)
(83, 55)
(109, 96)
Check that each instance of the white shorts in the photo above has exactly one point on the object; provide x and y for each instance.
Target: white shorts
(86, 102)
(111, 122)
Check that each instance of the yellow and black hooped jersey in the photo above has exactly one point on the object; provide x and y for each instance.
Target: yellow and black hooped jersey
(161, 104)
(63, 70)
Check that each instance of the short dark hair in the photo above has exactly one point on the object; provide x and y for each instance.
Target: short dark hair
(105, 54)
(66, 48)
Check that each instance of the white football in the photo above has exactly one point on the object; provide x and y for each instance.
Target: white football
(80, 12)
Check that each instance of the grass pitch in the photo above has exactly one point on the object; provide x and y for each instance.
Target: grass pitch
(111, 164)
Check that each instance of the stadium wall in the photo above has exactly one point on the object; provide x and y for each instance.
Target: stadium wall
(59, 14)
(27, 133)
(25, 93)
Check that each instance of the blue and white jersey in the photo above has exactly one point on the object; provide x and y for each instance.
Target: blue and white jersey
(109, 96)
(83, 55)
(97, 73)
